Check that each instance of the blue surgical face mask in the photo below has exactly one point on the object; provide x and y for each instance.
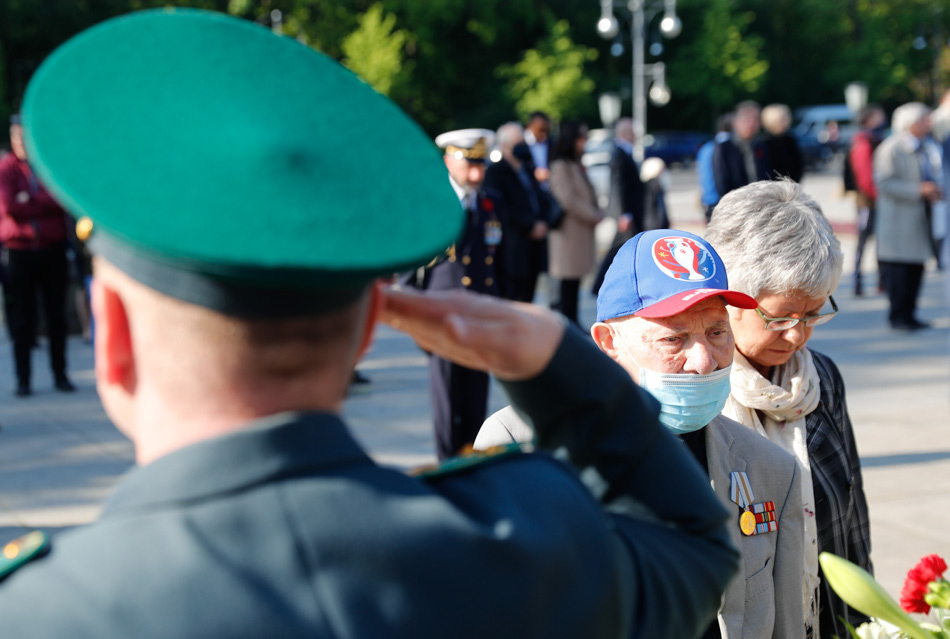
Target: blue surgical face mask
(687, 402)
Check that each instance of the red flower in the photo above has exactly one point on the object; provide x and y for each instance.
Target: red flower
(488, 205)
(930, 568)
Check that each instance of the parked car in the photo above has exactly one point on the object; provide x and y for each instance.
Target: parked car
(822, 131)
(674, 147)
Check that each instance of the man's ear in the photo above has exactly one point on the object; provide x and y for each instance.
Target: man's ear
(115, 359)
(604, 338)
(375, 307)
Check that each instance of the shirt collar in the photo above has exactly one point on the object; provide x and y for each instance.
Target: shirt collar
(460, 191)
(911, 141)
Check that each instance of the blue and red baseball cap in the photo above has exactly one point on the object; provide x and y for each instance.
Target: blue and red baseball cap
(662, 273)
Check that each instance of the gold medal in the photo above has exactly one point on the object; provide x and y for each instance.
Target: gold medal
(747, 523)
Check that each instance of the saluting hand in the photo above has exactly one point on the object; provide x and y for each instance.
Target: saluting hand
(512, 340)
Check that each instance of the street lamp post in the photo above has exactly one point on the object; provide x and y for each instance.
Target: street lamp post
(641, 12)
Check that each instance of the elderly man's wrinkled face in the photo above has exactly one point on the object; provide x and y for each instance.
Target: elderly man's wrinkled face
(698, 341)
(765, 349)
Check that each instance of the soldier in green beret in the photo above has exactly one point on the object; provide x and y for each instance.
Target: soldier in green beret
(236, 247)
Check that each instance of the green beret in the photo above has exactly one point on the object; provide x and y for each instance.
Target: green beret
(234, 168)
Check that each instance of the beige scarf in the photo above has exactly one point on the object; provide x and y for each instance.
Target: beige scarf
(792, 394)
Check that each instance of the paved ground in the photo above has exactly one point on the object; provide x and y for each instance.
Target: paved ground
(59, 457)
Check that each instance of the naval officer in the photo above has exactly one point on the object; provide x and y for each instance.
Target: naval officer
(460, 394)
(233, 292)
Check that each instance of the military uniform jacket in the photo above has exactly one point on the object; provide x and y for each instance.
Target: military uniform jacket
(288, 529)
(470, 262)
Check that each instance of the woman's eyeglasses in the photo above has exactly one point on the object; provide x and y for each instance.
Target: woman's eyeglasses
(785, 323)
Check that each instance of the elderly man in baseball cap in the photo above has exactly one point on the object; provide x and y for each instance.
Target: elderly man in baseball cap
(661, 315)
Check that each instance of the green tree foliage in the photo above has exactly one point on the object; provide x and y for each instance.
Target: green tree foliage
(375, 50)
(551, 77)
(719, 61)
(461, 63)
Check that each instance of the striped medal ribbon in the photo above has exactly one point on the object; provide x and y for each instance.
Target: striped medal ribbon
(740, 492)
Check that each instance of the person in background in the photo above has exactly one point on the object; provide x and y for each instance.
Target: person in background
(661, 315)
(743, 158)
(571, 245)
(626, 203)
(656, 182)
(538, 137)
(460, 394)
(906, 191)
(941, 135)
(525, 227)
(783, 390)
(873, 122)
(785, 158)
(709, 196)
(33, 232)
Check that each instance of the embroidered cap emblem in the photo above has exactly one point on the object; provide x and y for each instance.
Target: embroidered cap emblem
(683, 258)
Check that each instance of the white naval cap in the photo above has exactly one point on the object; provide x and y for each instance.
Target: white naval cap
(470, 144)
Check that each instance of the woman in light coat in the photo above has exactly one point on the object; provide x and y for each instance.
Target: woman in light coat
(571, 245)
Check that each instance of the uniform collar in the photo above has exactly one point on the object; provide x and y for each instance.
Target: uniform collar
(280, 445)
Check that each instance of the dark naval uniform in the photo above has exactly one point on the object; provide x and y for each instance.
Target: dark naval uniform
(288, 529)
(459, 394)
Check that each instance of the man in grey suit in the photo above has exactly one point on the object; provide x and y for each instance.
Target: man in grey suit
(661, 315)
(907, 188)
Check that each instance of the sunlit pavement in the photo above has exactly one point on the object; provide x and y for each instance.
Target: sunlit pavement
(59, 456)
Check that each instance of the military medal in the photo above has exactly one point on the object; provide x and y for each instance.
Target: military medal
(747, 523)
(755, 519)
(493, 233)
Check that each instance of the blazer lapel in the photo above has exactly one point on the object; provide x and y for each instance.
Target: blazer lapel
(721, 460)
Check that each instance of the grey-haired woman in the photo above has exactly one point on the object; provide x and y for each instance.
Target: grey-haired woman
(779, 248)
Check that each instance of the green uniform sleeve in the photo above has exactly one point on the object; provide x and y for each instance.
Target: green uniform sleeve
(587, 411)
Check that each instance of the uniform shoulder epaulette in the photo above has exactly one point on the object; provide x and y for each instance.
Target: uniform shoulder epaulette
(21, 551)
(469, 458)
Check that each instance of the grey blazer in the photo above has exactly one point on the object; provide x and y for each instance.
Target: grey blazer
(764, 599)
